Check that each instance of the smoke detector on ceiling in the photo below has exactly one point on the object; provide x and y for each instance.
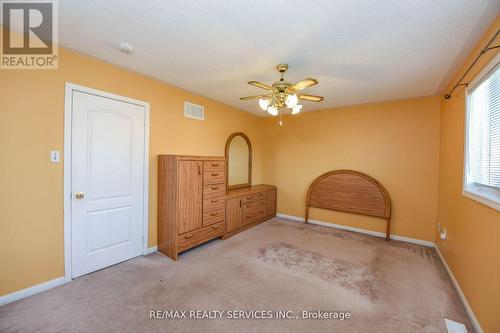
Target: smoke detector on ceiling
(126, 48)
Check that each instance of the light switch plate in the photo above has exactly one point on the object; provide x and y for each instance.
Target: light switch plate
(55, 156)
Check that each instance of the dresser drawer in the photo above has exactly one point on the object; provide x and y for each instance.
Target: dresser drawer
(254, 205)
(214, 166)
(214, 191)
(254, 197)
(214, 177)
(214, 202)
(252, 216)
(193, 238)
(257, 210)
(214, 215)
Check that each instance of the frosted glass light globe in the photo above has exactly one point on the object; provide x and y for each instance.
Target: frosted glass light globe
(272, 111)
(291, 101)
(264, 103)
(296, 109)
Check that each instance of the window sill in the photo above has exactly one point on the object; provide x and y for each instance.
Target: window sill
(484, 195)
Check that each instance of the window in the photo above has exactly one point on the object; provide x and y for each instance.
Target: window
(482, 162)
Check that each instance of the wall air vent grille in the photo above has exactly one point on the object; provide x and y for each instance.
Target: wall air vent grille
(194, 111)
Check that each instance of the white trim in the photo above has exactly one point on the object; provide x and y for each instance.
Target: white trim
(145, 190)
(36, 289)
(69, 88)
(362, 231)
(151, 250)
(483, 73)
(487, 200)
(491, 197)
(68, 101)
(468, 309)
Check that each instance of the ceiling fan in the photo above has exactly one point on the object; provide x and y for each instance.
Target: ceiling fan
(283, 94)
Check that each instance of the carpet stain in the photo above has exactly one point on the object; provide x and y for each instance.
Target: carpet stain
(348, 275)
(345, 235)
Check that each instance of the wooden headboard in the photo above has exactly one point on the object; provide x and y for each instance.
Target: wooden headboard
(352, 192)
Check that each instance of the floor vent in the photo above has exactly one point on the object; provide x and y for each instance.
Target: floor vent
(454, 327)
(194, 111)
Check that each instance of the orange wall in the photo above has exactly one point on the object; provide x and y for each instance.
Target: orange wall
(31, 124)
(396, 142)
(472, 249)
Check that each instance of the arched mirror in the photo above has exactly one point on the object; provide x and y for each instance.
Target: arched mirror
(238, 161)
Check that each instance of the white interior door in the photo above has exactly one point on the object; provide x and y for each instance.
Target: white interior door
(107, 181)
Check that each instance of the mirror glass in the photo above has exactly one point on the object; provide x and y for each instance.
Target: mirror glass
(238, 155)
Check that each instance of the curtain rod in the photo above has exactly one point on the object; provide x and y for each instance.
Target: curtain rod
(483, 51)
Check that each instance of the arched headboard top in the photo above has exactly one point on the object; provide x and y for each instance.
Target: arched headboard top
(349, 191)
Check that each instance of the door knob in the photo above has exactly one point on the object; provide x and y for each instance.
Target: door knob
(79, 195)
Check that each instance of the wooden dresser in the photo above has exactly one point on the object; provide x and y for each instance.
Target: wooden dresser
(191, 201)
(249, 206)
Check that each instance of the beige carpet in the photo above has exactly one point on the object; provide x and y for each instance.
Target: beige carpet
(278, 265)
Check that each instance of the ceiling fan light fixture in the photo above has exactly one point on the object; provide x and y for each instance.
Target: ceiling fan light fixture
(282, 94)
(291, 101)
(296, 109)
(264, 103)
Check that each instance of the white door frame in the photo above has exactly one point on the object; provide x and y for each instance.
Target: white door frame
(69, 88)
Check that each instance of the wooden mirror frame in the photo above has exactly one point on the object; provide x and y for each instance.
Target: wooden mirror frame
(228, 142)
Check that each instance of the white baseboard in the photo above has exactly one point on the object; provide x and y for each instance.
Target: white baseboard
(151, 249)
(36, 289)
(362, 231)
(468, 309)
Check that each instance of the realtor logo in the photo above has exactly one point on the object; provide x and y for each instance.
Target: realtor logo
(29, 34)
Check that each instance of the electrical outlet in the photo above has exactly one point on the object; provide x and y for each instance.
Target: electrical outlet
(443, 234)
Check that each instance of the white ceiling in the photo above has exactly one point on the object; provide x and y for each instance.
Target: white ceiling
(360, 50)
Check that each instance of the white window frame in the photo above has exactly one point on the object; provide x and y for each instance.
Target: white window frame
(482, 193)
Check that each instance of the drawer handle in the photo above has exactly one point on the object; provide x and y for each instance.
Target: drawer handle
(214, 174)
(248, 206)
(215, 187)
(214, 214)
(215, 164)
(188, 236)
(214, 201)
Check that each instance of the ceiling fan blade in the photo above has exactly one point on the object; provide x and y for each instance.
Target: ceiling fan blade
(311, 98)
(303, 84)
(255, 97)
(259, 85)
